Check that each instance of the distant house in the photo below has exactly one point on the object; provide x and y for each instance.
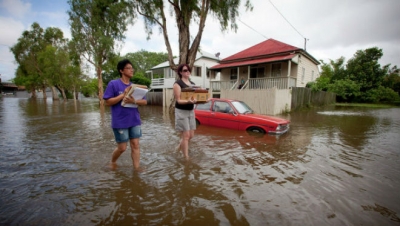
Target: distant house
(268, 64)
(9, 88)
(163, 77)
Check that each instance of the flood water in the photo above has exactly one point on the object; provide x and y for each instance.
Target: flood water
(336, 166)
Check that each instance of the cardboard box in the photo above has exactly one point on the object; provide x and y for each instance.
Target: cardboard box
(201, 95)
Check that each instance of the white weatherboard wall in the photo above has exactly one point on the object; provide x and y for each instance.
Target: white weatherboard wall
(266, 102)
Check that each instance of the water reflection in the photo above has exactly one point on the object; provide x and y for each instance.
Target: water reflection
(336, 166)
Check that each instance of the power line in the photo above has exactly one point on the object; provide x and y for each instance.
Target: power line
(253, 29)
(286, 19)
(305, 39)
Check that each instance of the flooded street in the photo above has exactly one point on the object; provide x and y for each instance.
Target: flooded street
(336, 166)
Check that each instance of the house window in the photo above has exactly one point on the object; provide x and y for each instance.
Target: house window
(312, 75)
(168, 73)
(276, 70)
(256, 72)
(233, 74)
(197, 71)
(303, 74)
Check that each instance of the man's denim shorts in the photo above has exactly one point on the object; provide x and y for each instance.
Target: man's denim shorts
(123, 135)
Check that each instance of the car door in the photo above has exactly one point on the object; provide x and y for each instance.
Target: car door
(203, 113)
(222, 115)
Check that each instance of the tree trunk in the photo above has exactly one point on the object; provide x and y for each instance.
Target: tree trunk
(63, 94)
(100, 85)
(76, 94)
(44, 93)
(172, 106)
(33, 91)
(54, 93)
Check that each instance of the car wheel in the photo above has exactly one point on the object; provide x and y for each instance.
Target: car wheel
(255, 130)
(197, 122)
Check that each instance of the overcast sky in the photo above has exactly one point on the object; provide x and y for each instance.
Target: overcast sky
(333, 28)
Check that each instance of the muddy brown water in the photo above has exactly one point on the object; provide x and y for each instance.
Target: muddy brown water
(336, 166)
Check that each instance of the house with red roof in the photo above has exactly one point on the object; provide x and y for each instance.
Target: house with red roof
(268, 64)
(262, 75)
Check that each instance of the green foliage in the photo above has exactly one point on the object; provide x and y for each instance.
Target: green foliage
(365, 70)
(392, 80)
(144, 60)
(362, 80)
(69, 95)
(326, 70)
(26, 52)
(320, 84)
(58, 69)
(44, 60)
(345, 89)
(310, 84)
(89, 87)
(96, 25)
(110, 75)
(141, 60)
(380, 94)
(335, 70)
(141, 80)
(187, 13)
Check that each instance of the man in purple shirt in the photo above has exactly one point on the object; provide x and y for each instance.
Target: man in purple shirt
(125, 121)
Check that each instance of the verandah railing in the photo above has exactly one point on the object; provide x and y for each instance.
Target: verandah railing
(255, 83)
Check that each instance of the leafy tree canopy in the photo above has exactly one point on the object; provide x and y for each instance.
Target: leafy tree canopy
(43, 59)
(143, 60)
(362, 80)
(365, 70)
(187, 12)
(95, 26)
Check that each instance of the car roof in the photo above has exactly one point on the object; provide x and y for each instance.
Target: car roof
(224, 99)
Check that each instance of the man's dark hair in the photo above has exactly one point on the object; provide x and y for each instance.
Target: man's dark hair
(121, 65)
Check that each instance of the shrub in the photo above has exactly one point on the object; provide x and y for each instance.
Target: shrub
(141, 80)
(380, 94)
(345, 89)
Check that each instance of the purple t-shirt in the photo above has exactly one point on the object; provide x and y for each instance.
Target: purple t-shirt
(121, 117)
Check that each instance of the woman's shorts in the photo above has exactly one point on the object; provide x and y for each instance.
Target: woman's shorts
(184, 120)
(123, 135)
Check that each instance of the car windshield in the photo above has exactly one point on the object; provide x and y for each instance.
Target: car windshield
(241, 107)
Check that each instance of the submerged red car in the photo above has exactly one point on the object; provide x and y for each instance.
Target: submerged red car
(234, 114)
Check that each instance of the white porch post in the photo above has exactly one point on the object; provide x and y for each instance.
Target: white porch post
(203, 74)
(289, 72)
(238, 74)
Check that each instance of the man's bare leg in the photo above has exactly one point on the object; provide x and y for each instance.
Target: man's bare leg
(121, 147)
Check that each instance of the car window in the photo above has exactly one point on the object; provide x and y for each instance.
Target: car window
(220, 106)
(205, 106)
(241, 107)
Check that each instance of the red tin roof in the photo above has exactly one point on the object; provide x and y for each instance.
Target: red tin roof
(267, 51)
(268, 47)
